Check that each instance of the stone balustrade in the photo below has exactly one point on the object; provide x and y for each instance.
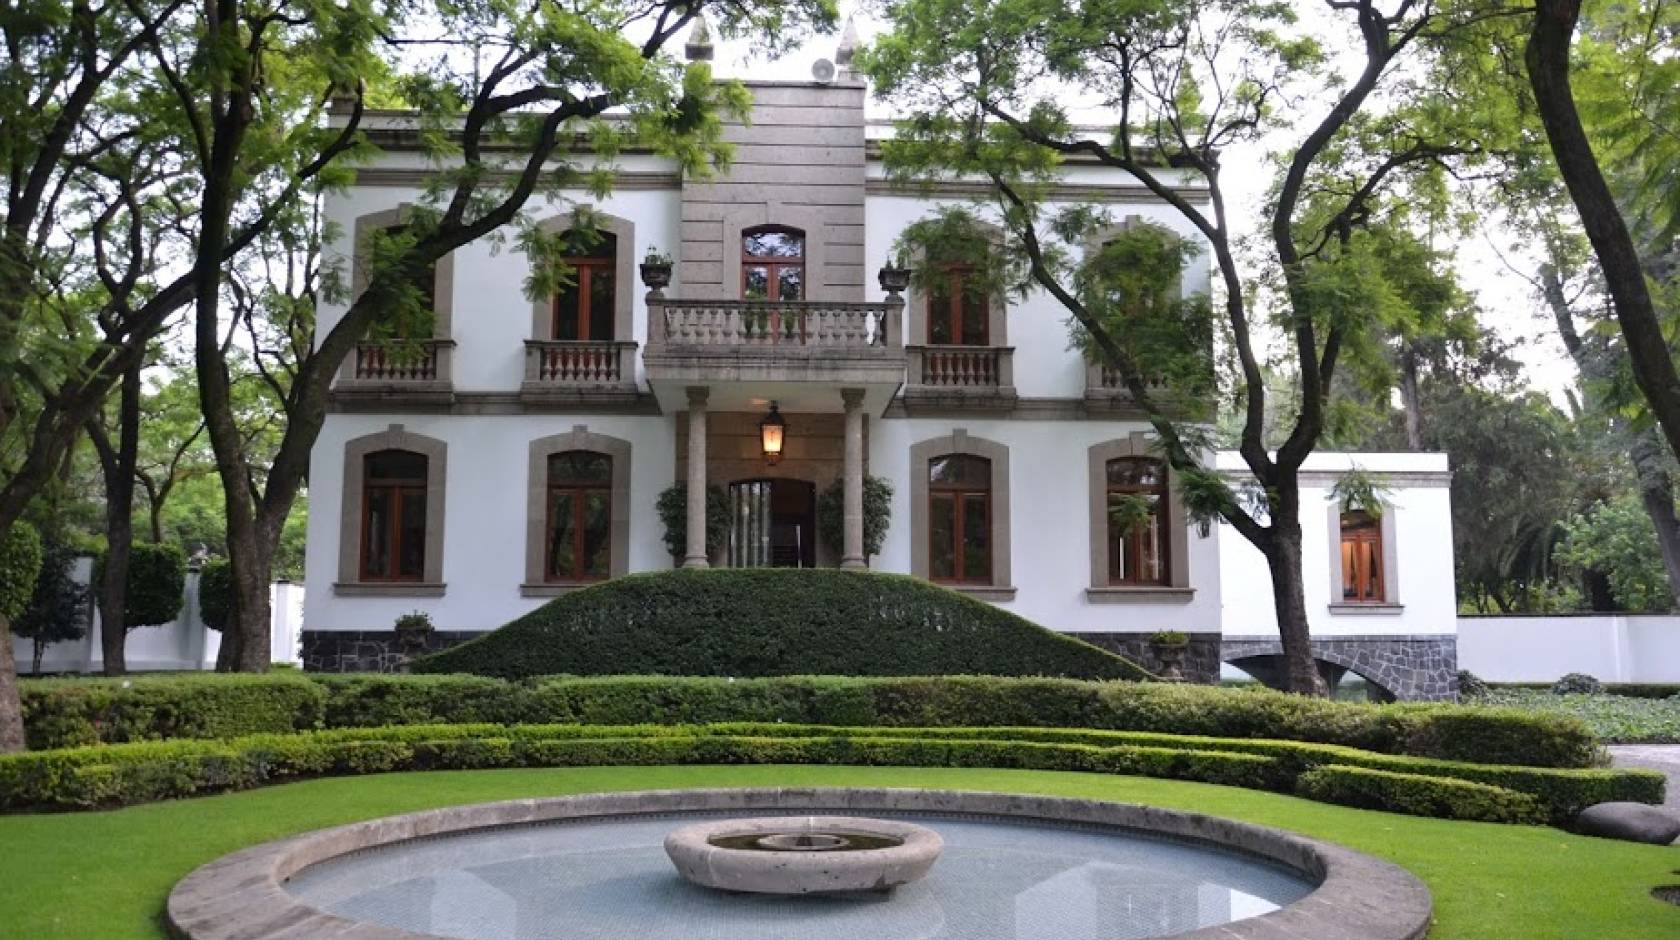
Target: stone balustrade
(579, 363)
(402, 362)
(790, 326)
(956, 367)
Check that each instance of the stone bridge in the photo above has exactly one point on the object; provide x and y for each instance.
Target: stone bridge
(1409, 668)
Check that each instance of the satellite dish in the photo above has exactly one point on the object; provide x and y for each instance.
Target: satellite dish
(823, 71)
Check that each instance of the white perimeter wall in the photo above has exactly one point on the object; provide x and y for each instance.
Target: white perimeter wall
(1608, 647)
(1422, 518)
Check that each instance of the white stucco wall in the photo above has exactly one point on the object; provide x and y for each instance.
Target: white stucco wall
(1609, 647)
(1421, 509)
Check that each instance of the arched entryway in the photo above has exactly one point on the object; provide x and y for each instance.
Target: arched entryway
(772, 524)
(1344, 681)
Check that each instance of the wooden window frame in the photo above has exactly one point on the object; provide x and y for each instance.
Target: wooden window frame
(585, 269)
(1134, 540)
(960, 494)
(1368, 529)
(400, 489)
(579, 491)
(957, 275)
(773, 264)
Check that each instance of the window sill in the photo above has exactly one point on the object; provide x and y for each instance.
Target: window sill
(555, 588)
(985, 592)
(1373, 608)
(389, 588)
(1161, 594)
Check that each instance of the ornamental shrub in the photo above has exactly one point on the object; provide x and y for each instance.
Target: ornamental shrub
(157, 583)
(877, 515)
(774, 621)
(1471, 685)
(673, 513)
(1577, 683)
(215, 593)
(58, 609)
(20, 566)
(1419, 795)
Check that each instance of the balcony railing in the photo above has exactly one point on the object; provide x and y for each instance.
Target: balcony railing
(402, 362)
(737, 325)
(583, 364)
(961, 367)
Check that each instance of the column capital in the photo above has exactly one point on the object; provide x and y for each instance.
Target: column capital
(852, 398)
(697, 395)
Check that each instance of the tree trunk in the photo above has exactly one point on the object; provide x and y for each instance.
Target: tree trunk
(118, 464)
(38, 651)
(1547, 60)
(1289, 597)
(251, 557)
(11, 707)
(1411, 399)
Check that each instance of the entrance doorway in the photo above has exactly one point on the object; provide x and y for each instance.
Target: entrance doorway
(772, 524)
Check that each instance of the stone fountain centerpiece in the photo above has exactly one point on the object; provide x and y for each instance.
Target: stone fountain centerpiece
(803, 854)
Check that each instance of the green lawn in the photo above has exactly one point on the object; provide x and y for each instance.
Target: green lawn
(106, 875)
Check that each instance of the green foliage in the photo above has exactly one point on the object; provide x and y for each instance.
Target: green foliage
(58, 610)
(157, 582)
(20, 566)
(768, 621)
(1617, 538)
(1358, 491)
(673, 513)
(1419, 795)
(1471, 685)
(215, 593)
(1576, 683)
(877, 515)
(417, 621)
(70, 712)
(1613, 715)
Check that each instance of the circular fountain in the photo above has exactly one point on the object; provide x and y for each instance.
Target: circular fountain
(803, 854)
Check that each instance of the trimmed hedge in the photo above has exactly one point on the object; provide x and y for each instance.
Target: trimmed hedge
(71, 712)
(773, 622)
(1486, 735)
(1419, 795)
(139, 772)
(157, 579)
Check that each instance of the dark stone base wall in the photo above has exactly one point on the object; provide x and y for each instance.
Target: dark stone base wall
(1200, 663)
(1411, 668)
(367, 650)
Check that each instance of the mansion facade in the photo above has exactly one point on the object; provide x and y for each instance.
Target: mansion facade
(776, 363)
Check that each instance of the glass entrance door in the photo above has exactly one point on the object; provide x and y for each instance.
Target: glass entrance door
(772, 524)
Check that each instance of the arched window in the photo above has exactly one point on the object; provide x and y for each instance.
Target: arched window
(957, 309)
(585, 308)
(772, 263)
(393, 516)
(579, 527)
(1362, 559)
(960, 519)
(1137, 522)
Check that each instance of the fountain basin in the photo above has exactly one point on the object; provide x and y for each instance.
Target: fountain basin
(803, 854)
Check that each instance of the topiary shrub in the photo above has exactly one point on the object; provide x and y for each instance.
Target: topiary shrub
(71, 712)
(20, 566)
(157, 583)
(1577, 683)
(877, 515)
(1471, 685)
(215, 593)
(673, 512)
(58, 609)
(1419, 795)
(772, 622)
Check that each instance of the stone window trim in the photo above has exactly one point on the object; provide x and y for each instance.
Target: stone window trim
(625, 282)
(813, 221)
(1390, 604)
(536, 508)
(959, 441)
(1177, 533)
(997, 306)
(356, 450)
(443, 283)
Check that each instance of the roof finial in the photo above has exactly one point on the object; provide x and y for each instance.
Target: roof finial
(699, 45)
(848, 42)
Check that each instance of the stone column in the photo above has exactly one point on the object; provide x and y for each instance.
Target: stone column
(851, 555)
(695, 557)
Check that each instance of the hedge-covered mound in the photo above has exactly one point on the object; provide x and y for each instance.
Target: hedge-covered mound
(774, 622)
(109, 775)
(65, 713)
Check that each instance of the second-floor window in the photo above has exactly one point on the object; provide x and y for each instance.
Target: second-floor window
(426, 284)
(957, 311)
(584, 309)
(394, 516)
(579, 516)
(1362, 559)
(960, 519)
(772, 263)
(1137, 506)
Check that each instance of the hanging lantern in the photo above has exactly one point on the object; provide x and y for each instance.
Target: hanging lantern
(771, 432)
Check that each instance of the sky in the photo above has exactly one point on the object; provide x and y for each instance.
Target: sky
(1509, 303)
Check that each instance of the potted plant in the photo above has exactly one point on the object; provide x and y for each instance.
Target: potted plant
(656, 269)
(1169, 647)
(414, 630)
(894, 276)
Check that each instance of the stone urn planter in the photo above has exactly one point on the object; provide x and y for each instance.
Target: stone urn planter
(1169, 648)
(414, 631)
(894, 279)
(656, 274)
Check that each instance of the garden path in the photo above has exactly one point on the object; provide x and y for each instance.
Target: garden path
(1663, 757)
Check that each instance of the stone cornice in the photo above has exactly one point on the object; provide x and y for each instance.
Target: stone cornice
(1130, 193)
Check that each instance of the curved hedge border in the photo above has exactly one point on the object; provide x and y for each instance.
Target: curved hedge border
(132, 773)
(64, 713)
(774, 622)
